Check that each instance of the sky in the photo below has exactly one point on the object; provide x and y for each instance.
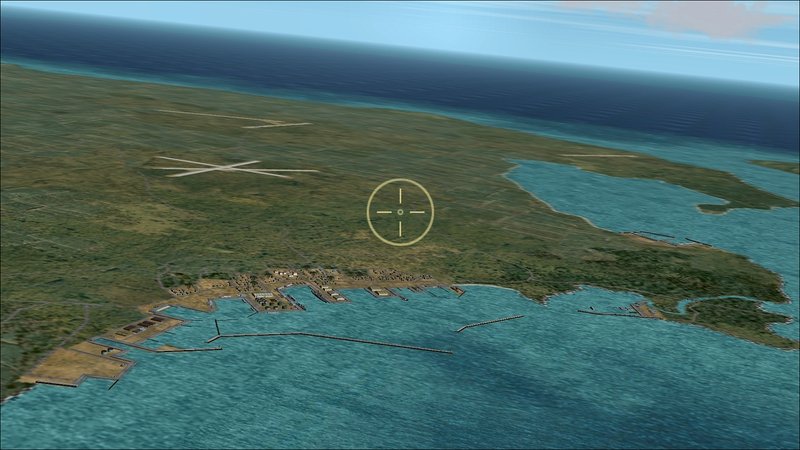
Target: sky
(746, 41)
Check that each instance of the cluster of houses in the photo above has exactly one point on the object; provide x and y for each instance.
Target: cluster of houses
(286, 273)
(264, 298)
(143, 325)
(379, 292)
(335, 295)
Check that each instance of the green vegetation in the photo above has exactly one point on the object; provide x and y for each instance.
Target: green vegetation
(354, 273)
(791, 167)
(88, 230)
(169, 280)
(728, 315)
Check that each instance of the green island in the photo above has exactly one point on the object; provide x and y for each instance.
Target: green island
(91, 232)
(791, 167)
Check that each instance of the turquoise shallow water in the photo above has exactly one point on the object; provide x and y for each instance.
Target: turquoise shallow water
(555, 378)
(768, 237)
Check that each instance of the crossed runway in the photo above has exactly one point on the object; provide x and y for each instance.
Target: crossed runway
(236, 167)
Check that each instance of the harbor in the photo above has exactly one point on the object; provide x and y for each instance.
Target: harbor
(639, 310)
(487, 322)
(327, 336)
(264, 293)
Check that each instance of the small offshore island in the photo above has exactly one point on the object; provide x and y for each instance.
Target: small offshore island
(791, 167)
(95, 238)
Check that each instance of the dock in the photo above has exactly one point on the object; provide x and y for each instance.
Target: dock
(398, 295)
(698, 242)
(642, 311)
(656, 234)
(247, 302)
(326, 293)
(175, 350)
(642, 234)
(57, 384)
(380, 292)
(457, 290)
(290, 299)
(327, 336)
(183, 350)
(598, 313)
(487, 322)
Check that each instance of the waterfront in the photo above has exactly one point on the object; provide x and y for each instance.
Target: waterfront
(768, 237)
(555, 378)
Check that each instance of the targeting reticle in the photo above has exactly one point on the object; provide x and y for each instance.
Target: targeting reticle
(400, 212)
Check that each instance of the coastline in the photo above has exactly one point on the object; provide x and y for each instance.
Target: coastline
(536, 127)
(505, 175)
(787, 298)
(157, 309)
(119, 345)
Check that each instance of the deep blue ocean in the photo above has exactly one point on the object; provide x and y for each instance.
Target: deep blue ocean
(555, 378)
(761, 116)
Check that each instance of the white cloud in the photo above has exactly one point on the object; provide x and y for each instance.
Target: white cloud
(715, 19)
(727, 54)
(721, 20)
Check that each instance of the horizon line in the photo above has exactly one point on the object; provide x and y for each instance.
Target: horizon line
(476, 55)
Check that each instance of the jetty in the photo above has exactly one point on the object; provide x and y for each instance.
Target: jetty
(599, 313)
(644, 311)
(642, 233)
(457, 290)
(291, 299)
(170, 350)
(487, 322)
(698, 242)
(379, 292)
(328, 336)
(51, 383)
(641, 311)
(656, 234)
(398, 295)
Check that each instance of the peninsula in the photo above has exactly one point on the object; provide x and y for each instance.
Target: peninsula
(791, 167)
(94, 234)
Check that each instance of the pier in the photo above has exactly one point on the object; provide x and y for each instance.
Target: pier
(598, 313)
(642, 233)
(642, 311)
(398, 295)
(183, 350)
(457, 290)
(487, 322)
(327, 336)
(656, 234)
(320, 296)
(380, 292)
(57, 384)
(172, 350)
(699, 242)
